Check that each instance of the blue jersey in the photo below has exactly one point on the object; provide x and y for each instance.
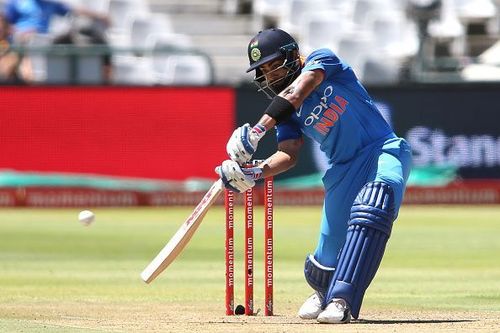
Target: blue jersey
(33, 15)
(339, 114)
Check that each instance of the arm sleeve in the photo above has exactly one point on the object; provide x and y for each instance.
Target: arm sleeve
(288, 130)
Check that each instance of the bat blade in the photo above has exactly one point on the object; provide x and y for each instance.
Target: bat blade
(179, 240)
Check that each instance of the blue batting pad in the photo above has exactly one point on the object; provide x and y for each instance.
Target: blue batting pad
(368, 230)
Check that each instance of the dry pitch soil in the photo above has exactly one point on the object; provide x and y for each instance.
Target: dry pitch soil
(98, 317)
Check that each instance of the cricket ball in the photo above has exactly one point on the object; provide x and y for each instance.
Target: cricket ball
(86, 217)
(240, 310)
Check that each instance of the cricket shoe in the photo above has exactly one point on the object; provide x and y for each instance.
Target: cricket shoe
(336, 312)
(311, 307)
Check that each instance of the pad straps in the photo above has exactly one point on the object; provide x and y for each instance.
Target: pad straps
(317, 275)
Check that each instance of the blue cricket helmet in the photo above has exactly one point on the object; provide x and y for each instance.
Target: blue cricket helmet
(269, 45)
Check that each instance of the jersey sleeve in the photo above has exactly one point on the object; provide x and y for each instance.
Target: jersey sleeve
(327, 61)
(11, 13)
(288, 130)
(61, 9)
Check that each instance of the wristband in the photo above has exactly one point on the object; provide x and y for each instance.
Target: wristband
(280, 109)
(254, 173)
(260, 130)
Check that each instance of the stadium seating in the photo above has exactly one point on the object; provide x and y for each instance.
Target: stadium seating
(381, 73)
(39, 59)
(385, 38)
(354, 49)
(475, 10)
(89, 69)
(145, 24)
(185, 70)
(267, 12)
(448, 29)
(58, 68)
(294, 11)
(319, 30)
(132, 71)
(363, 11)
(100, 6)
(395, 36)
(480, 72)
(491, 56)
(120, 12)
(160, 44)
(162, 41)
(380, 29)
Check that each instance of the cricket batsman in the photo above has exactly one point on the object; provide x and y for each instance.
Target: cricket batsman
(320, 96)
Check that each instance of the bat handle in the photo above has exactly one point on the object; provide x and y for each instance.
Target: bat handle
(252, 163)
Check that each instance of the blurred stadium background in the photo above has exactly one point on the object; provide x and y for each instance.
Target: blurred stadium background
(198, 42)
(133, 105)
(104, 114)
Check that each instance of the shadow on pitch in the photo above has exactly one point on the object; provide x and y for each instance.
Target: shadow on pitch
(413, 321)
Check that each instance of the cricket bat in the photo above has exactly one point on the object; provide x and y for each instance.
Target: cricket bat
(179, 240)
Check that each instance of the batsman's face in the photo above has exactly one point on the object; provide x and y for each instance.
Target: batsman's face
(274, 71)
(276, 75)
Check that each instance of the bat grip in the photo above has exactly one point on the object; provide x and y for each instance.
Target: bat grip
(252, 163)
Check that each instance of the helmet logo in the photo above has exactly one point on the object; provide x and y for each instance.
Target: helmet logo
(255, 54)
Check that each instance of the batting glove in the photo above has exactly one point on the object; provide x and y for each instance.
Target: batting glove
(243, 142)
(235, 178)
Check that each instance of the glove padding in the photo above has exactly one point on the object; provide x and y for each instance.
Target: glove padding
(234, 178)
(243, 142)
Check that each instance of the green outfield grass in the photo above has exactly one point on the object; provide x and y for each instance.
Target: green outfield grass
(52, 268)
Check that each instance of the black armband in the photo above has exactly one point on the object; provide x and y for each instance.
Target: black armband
(280, 109)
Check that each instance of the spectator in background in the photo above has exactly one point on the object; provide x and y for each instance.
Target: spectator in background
(85, 34)
(9, 59)
(31, 17)
(34, 16)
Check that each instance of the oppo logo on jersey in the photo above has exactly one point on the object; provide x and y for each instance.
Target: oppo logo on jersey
(327, 114)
